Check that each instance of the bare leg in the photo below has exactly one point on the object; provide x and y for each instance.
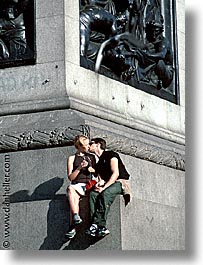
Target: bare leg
(74, 199)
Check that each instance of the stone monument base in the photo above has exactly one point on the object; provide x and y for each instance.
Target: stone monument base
(34, 150)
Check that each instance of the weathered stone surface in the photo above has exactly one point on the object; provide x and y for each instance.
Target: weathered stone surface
(39, 103)
(154, 227)
(38, 208)
(157, 208)
(57, 75)
(111, 100)
(46, 79)
(45, 130)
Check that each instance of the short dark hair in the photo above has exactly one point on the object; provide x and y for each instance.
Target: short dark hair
(100, 141)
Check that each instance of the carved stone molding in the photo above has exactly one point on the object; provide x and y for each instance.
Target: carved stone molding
(64, 137)
(40, 139)
(141, 149)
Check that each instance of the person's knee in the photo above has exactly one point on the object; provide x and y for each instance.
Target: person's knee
(70, 190)
(107, 193)
(115, 188)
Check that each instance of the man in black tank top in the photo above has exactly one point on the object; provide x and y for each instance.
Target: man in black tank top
(111, 172)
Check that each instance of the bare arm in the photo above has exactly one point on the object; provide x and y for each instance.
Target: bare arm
(100, 182)
(115, 172)
(73, 174)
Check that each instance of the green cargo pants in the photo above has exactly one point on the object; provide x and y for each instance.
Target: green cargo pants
(100, 203)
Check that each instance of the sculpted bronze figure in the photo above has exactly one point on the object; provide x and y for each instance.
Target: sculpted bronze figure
(96, 25)
(13, 42)
(130, 42)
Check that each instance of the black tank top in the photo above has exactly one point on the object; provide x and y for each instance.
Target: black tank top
(84, 175)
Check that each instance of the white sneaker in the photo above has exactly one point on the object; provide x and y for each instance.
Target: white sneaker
(70, 234)
(102, 232)
(92, 230)
(77, 219)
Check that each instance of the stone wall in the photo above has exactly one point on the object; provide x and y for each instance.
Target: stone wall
(117, 102)
(40, 86)
(37, 184)
(43, 106)
(39, 211)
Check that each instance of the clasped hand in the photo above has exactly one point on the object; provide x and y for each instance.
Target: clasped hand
(84, 163)
(99, 187)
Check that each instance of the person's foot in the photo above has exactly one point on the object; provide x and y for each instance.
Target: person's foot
(102, 232)
(71, 233)
(76, 219)
(92, 230)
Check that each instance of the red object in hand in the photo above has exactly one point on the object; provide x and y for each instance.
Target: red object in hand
(90, 184)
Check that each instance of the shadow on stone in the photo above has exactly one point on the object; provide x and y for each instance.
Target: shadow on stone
(45, 191)
(57, 223)
(81, 240)
(58, 216)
